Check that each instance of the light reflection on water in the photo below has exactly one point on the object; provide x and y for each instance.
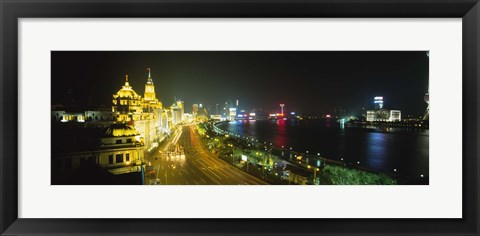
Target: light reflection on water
(378, 149)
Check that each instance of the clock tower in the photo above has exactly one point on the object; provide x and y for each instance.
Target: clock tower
(149, 94)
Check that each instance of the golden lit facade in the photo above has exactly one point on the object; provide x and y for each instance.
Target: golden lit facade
(121, 150)
(127, 104)
(144, 114)
(149, 94)
(150, 103)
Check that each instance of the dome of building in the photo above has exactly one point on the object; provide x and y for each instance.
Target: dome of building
(127, 90)
(120, 130)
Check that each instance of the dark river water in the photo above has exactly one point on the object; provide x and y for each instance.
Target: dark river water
(378, 149)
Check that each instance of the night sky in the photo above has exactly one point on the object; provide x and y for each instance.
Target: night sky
(311, 82)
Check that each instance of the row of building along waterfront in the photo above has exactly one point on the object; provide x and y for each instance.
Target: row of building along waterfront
(106, 145)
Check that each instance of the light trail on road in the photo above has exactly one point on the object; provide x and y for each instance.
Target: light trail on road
(196, 165)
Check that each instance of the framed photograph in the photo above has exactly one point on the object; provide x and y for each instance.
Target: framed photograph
(276, 117)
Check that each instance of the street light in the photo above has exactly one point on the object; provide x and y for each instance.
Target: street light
(314, 173)
(233, 153)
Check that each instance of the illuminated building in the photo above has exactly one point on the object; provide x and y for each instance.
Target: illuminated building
(241, 115)
(226, 108)
(384, 115)
(176, 115)
(395, 115)
(165, 122)
(232, 113)
(194, 109)
(370, 116)
(122, 149)
(281, 108)
(230, 110)
(380, 114)
(102, 117)
(149, 94)
(272, 116)
(378, 101)
(145, 114)
(177, 110)
(202, 113)
(64, 116)
(127, 104)
(152, 107)
(217, 117)
(117, 150)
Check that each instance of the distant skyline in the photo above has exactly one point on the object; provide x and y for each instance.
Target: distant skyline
(305, 81)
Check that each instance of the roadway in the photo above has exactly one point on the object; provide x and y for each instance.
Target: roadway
(184, 160)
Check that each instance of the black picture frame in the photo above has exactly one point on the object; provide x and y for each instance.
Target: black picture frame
(11, 11)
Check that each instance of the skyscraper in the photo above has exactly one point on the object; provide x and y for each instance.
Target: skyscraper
(378, 101)
(194, 109)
